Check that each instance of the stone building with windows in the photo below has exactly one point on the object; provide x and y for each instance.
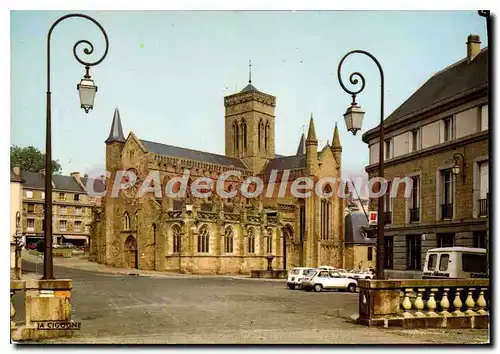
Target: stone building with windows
(222, 235)
(359, 250)
(439, 138)
(71, 208)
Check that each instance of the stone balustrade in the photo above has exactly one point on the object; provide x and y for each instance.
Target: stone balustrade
(424, 303)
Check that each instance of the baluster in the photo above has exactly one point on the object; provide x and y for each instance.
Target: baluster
(445, 303)
(407, 303)
(419, 303)
(431, 304)
(469, 302)
(457, 303)
(481, 302)
(12, 311)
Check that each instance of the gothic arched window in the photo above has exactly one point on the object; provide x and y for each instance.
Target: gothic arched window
(228, 240)
(176, 238)
(236, 137)
(325, 212)
(269, 239)
(251, 240)
(244, 133)
(203, 239)
(126, 221)
(261, 132)
(267, 136)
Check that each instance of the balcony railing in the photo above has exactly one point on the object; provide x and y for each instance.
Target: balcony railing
(446, 211)
(388, 217)
(414, 214)
(483, 207)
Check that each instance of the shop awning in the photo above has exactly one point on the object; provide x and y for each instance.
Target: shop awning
(75, 237)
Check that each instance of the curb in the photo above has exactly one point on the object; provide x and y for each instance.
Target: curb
(30, 258)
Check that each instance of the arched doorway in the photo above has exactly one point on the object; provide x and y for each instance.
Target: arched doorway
(130, 253)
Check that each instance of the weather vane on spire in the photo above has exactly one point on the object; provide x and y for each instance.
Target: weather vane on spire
(249, 71)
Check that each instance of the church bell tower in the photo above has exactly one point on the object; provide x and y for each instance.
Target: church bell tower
(249, 126)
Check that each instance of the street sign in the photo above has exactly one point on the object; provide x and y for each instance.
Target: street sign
(372, 219)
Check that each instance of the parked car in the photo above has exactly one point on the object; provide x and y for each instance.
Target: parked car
(344, 272)
(326, 267)
(324, 279)
(363, 274)
(295, 276)
(31, 246)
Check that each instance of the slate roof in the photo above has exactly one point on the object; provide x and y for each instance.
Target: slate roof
(36, 180)
(443, 86)
(249, 88)
(175, 151)
(286, 163)
(116, 131)
(354, 222)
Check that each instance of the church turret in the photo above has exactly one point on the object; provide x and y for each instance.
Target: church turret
(114, 143)
(301, 150)
(312, 149)
(336, 146)
(114, 146)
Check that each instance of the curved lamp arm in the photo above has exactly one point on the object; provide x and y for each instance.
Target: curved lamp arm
(353, 78)
(87, 50)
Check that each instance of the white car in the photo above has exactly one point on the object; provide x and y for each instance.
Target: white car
(363, 274)
(327, 268)
(345, 273)
(295, 276)
(324, 279)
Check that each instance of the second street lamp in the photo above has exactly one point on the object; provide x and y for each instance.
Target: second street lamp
(354, 118)
(87, 91)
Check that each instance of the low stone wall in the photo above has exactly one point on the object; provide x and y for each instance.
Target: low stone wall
(269, 274)
(424, 303)
(47, 306)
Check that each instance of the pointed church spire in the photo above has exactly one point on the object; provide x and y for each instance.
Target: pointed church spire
(116, 131)
(302, 145)
(249, 71)
(336, 138)
(311, 135)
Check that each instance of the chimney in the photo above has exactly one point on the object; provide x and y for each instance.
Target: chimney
(17, 170)
(473, 47)
(76, 176)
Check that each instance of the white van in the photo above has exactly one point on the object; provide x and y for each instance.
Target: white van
(455, 262)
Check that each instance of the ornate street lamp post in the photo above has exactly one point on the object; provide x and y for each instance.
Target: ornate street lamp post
(87, 91)
(354, 118)
(18, 244)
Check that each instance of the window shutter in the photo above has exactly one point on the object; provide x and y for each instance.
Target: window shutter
(483, 186)
(484, 117)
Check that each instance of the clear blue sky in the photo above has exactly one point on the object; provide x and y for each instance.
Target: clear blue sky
(169, 71)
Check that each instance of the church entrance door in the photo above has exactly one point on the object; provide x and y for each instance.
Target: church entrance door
(130, 253)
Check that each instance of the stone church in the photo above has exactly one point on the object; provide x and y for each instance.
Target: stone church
(222, 235)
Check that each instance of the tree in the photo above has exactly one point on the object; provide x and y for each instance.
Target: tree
(31, 159)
